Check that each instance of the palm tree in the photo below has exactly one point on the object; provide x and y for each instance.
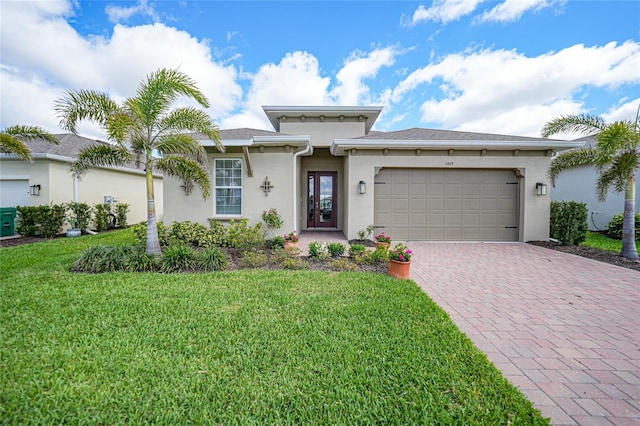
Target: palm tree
(146, 130)
(12, 140)
(616, 158)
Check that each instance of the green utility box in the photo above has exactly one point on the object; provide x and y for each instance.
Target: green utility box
(7, 221)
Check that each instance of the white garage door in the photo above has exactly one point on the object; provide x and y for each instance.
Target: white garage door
(14, 193)
(447, 205)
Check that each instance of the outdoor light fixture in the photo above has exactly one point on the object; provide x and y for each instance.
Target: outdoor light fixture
(541, 188)
(362, 186)
(35, 189)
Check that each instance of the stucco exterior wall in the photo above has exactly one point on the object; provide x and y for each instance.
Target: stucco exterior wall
(57, 185)
(275, 163)
(579, 184)
(534, 209)
(322, 161)
(323, 133)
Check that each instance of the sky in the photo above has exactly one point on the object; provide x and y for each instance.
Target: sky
(500, 66)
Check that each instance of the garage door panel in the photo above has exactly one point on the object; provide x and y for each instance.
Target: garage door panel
(444, 204)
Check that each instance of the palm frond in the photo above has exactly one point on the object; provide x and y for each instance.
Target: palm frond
(119, 126)
(30, 133)
(102, 155)
(184, 145)
(11, 145)
(569, 160)
(585, 124)
(194, 120)
(617, 174)
(188, 171)
(80, 105)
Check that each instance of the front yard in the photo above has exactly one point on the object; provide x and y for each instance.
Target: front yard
(242, 347)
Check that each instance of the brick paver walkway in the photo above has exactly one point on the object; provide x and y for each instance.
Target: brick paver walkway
(562, 328)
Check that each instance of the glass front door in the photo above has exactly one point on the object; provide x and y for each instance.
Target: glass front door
(321, 199)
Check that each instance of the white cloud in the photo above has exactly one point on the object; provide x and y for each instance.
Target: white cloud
(119, 14)
(624, 110)
(445, 11)
(351, 89)
(512, 10)
(58, 58)
(466, 88)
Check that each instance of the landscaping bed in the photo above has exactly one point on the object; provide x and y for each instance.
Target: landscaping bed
(591, 253)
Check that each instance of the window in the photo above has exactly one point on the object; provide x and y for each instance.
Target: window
(228, 187)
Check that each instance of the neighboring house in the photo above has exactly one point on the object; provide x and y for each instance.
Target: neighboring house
(324, 168)
(579, 184)
(48, 179)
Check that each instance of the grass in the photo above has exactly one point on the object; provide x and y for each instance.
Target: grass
(244, 347)
(602, 242)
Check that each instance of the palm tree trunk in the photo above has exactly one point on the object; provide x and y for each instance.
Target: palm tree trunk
(153, 243)
(629, 222)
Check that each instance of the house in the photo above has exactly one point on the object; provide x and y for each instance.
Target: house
(579, 184)
(48, 179)
(324, 168)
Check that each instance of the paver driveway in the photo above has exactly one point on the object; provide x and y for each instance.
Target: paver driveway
(564, 329)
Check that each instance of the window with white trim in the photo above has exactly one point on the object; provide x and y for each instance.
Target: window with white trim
(228, 186)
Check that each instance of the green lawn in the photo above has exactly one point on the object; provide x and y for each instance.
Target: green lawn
(244, 347)
(602, 242)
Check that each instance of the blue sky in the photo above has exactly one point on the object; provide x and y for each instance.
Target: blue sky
(504, 66)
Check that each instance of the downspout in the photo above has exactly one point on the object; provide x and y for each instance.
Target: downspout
(76, 198)
(307, 150)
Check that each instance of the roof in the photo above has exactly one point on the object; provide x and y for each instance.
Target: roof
(420, 134)
(69, 145)
(245, 133)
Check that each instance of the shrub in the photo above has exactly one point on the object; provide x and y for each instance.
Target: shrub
(212, 259)
(343, 265)
(101, 216)
(377, 256)
(294, 263)
(254, 259)
(569, 222)
(193, 234)
(218, 232)
(80, 215)
(277, 241)
(140, 261)
(99, 259)
(319, 251)
(356, 250)
(615, 226)
(177, 258)
(336, 249)
(140, 233)
(52, 220)
(122, 209)
(364, 234)
(45, 220)
(241, 236)
(27, 217)
(279, 255)
(272, 218)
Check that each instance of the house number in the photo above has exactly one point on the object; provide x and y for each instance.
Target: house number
(448, 163)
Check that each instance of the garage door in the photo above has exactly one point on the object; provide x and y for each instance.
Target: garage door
(14, 193)
(447, 205)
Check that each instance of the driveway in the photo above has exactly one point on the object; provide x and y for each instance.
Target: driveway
(562, 328)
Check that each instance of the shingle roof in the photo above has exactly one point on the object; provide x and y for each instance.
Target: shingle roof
(245, 133)
(420, 134)
(70, 145)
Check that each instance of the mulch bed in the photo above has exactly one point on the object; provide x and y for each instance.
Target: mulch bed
(591, 253)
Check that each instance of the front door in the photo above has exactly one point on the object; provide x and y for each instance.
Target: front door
(322, 199)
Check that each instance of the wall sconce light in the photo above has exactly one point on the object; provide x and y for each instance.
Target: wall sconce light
(362, 186)
(35, 189)
(541, 188)
(266, 186)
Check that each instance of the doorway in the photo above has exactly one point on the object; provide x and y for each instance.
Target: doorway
(322, 199)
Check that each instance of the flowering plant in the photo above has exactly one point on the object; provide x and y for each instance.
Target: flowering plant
(382, 238)
(400, 253)
(272, 218)
(291, 237)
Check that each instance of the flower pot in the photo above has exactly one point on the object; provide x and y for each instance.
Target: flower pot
(288, 244)
(400, 270)
(74, 232)
(384, 246)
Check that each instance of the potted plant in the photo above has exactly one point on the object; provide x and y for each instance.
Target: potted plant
(382, 241)
(400, 261)
(291, 240)
(74, 231)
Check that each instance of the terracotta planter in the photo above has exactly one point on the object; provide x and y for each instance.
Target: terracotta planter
(400, 270)
(290, 244)
(384, 246)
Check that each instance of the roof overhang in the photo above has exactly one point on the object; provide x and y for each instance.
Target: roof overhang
(369, 114)
(340, 147)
